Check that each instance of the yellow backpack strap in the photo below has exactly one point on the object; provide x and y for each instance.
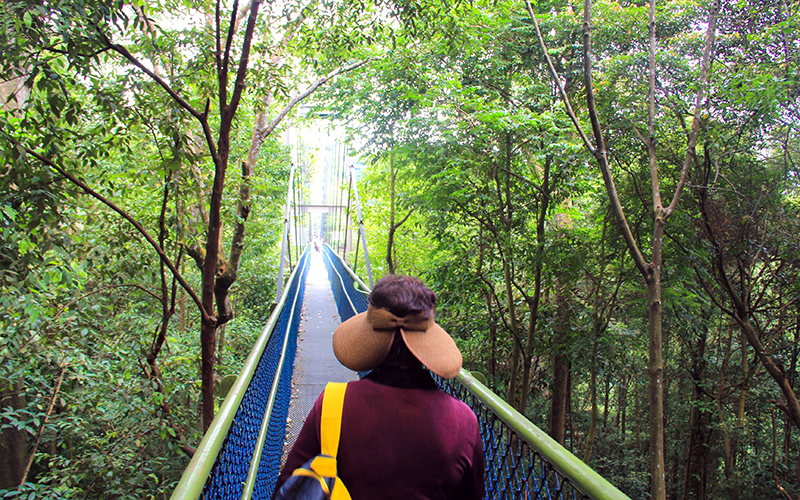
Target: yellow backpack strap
(340, 491)
(331, 424)
(310, 473)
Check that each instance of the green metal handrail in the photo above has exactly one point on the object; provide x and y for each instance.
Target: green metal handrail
(570, 466)
(250, 480)
(196, 474)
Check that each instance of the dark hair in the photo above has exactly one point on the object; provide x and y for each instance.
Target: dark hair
(402, 295)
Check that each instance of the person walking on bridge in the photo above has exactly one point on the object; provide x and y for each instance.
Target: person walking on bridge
(401, 437)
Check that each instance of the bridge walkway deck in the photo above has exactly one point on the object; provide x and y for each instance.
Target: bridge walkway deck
(315, 364)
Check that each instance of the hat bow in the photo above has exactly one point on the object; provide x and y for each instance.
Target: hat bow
(381, 319)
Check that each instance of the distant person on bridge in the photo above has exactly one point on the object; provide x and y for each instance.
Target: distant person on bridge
(402, 438)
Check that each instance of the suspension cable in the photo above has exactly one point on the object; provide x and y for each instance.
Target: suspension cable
(347, 218)
(335, 201)
(340, 177)
(361, 226)
(296, 218)
(288, 237)
(285, 238)
(341, 212)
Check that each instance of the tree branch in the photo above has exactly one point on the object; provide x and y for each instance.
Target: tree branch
(589, 85)
(218, 44)
(599, 152)
(201, 117)
(107, 287)
(44, 423)
(160, 81)
(314, 86)
(222, 70)
(404, 219)
(650, 143)
(704, 69)
(557, 82)
(292, 29)
(86, 189)
(241, 72)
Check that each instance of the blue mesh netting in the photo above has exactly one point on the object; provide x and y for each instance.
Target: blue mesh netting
(230, 469)
(344, 287)
(270, 463)
(514, 470)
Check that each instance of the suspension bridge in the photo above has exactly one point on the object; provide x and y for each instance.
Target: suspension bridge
(242, 451)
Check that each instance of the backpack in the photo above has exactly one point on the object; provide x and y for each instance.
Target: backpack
(317, 479)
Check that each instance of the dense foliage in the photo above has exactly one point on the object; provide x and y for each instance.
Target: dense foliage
(477, 180)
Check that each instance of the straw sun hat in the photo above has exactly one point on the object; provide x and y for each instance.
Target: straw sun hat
(362, 342)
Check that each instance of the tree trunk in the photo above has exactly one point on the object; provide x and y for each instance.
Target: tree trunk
(745, 384)
(489, 294)
(533, 302)
(220, 343)
(606, 400)
(697, 453)
(656, 368)
(651, 271)
(182, 302)
(515, 351)
(392, 228)
(729, 455)
(208, 327)
(558, 404)
(559, 401)
(622, 406)
(792, 376)
(208, 342)
(587, 450)
(492, 336)
(728, 441)
(13, 442)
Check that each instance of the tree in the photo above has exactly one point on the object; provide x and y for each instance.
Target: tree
(651, 271)
(100, 36)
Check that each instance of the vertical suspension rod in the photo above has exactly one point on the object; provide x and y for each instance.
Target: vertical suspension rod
(334, 209)
(347, 218)
(335, 195)
(361, 225)
(340, 179)
(285, 239)
(296, 219)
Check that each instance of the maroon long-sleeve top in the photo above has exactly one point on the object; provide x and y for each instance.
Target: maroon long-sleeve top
(402, 438)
